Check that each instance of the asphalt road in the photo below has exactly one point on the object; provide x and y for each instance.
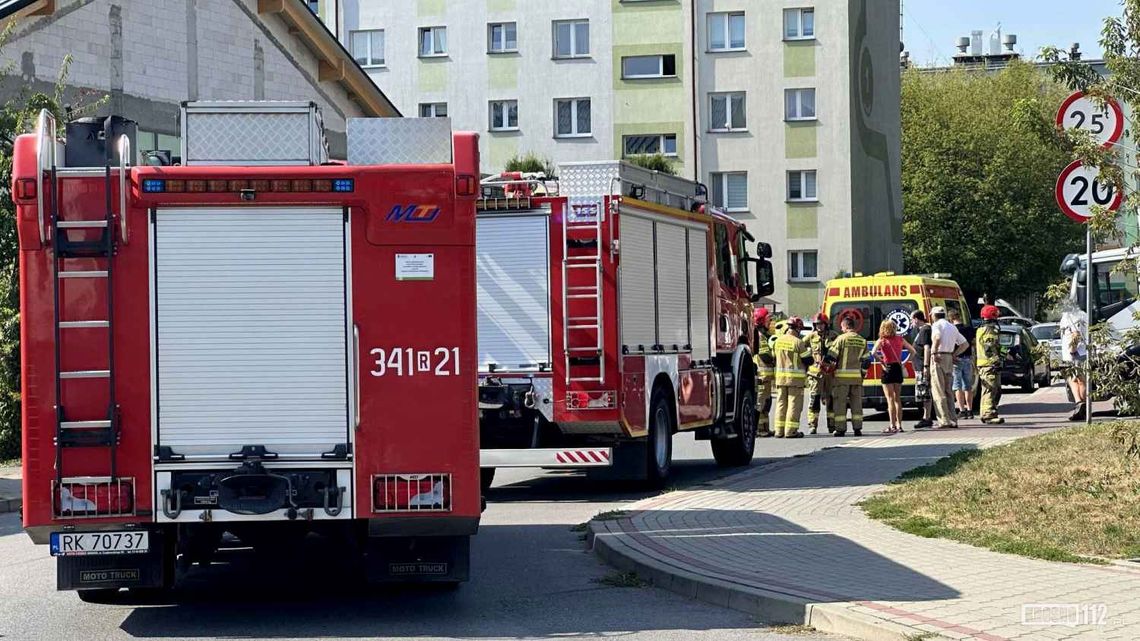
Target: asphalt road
(532, 578)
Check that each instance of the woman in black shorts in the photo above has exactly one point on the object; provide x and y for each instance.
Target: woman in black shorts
(888, 350)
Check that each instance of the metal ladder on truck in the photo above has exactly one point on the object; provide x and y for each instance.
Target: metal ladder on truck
(70, 431)
(583, 335)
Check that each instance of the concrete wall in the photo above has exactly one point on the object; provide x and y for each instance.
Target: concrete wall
(147, 56)
(469, 77)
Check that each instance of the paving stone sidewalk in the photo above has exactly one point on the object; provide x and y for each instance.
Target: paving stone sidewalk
(787, 542)
(10, 490)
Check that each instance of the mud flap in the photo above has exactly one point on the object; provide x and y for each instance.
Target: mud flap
(152, 569)
(428, 559)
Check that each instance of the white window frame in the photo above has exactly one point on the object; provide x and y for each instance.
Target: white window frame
(722, 177)
(505, 106)
(796, 260)
(799, 93)
(434, 42)
(660, 67)
(801, 174)
(369, 57)
(728, 97)
(799, 13)
(574, 118)
(661, 138)
(502, 45)
(433, 109)
(574, 52)
(725, 27)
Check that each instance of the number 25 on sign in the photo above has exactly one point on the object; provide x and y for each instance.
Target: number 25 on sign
(1079, 189)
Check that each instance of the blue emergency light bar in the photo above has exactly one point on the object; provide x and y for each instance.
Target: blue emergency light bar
(278, 185)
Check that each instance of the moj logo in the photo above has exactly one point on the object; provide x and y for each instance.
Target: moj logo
(413, 214)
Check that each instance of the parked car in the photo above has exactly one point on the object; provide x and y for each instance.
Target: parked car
(1049, 335)
(1024, 363)
(1020, 321)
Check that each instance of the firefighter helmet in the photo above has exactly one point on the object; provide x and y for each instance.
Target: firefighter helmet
(989, 312)
(760, 317)
(820, 319)
(796, 323)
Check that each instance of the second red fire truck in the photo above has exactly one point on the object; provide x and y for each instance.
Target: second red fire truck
(615, 309)
(258, 342)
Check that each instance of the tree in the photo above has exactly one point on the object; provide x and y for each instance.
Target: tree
(980, 158)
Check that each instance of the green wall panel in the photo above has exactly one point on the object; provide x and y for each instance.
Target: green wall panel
(803, 220)
(800, 140)
(426, 8)
(432, 75)
(647, 22)
(503, 72)
(804, 299)
(799, 59)
(500, 148)
(501, 5)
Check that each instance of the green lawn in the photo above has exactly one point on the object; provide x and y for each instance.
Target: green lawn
(1071, 495)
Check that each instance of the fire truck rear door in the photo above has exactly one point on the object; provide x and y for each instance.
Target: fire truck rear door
(250, 326)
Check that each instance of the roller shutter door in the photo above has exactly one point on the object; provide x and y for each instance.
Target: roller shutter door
(638, 303)
(672, 287)
(251, 330)
(514, 291)
(699, 294)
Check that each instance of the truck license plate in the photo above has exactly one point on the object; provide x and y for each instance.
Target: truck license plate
(90, 543)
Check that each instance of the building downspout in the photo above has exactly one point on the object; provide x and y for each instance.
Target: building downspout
(696, 116)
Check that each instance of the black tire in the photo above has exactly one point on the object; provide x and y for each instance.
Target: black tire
(486, 477)
(1030, 381)
(738, 451)
(101, 595)
(659, 446)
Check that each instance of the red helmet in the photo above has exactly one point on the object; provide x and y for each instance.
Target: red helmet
(820, 318)
(796, 323)
(760, 316)
(989, 312)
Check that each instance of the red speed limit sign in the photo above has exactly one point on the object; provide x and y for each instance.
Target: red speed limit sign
(1079, 189)
(1104, 123)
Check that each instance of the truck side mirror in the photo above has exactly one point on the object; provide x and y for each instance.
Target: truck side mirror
(763, 250)
(1081, 276)
(764, 277)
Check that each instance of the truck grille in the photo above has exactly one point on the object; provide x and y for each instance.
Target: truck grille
(411, 493)
(93, 497)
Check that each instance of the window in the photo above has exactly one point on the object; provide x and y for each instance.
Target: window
(433, 41)
(433, 110)
(730, 190)
(368, 47)
(571, 117)
(799, 24)
(662, 66)
(502, 37)
(727, 112)
(504, 115)
(314, 6)
(726, 31)
(803, 265)
(799, 104)
(571, 38)
(801, 186)
(723, 254)
(664, 144)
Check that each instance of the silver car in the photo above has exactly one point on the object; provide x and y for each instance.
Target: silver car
(1049, 334)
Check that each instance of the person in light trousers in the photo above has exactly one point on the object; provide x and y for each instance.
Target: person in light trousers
(947, 343)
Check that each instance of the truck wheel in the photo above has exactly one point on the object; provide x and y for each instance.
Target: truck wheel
(486, 477)
(660, 446)
(738, 451)
(1030, 381)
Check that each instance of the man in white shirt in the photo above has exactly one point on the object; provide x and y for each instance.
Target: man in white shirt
(946, 344)
(1074, 353)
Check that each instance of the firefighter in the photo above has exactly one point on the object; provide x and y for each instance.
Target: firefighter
(793, 357)
(987, 345)
(765, 372)
(818, 380)
(848, 354)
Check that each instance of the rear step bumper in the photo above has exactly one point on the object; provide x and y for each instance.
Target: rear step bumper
(561, 457)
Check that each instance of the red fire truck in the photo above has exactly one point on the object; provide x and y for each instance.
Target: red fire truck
(256, 342)
(614, 311)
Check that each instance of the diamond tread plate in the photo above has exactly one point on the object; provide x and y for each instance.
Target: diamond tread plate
(256, 137)
(386, 141)
(588, 179)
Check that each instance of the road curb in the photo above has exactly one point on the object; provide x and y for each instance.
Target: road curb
(770, 606)
(11, 505)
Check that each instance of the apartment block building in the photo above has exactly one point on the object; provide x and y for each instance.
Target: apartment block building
(787, 109)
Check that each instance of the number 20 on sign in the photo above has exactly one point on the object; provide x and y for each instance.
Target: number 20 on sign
(1079, 189)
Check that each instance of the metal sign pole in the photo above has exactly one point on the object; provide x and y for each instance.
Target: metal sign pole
(1090, 283)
